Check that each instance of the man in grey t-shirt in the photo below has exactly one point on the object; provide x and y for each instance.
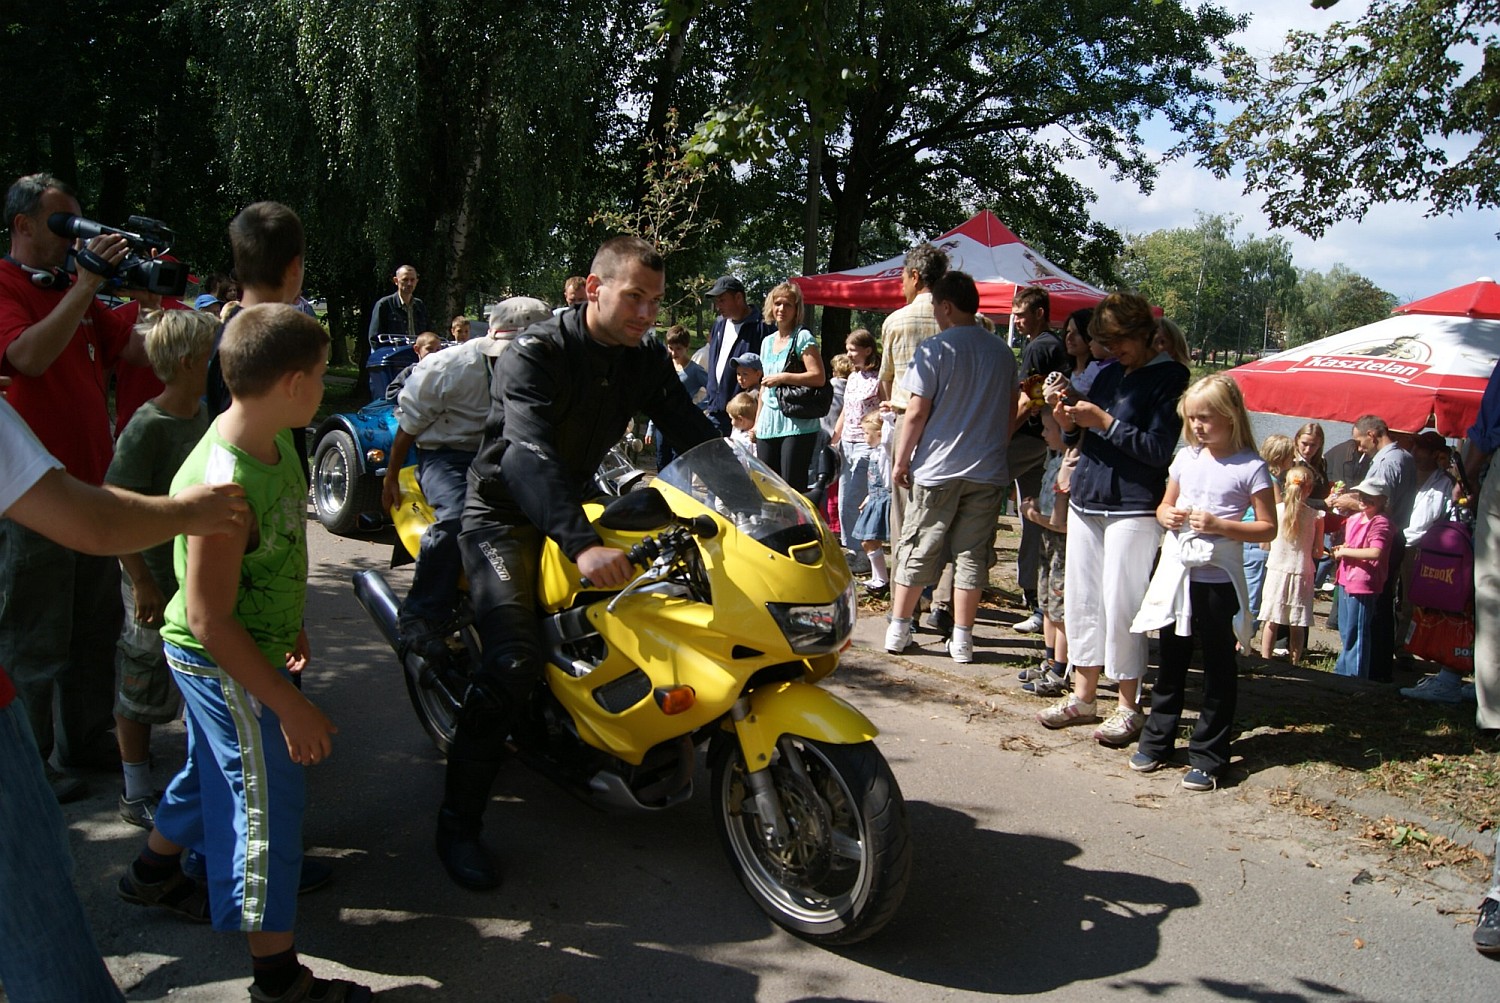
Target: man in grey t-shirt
(951, 454)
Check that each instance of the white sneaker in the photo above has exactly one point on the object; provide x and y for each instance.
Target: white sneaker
(961, 652)
(1031, 625)
(897, 637)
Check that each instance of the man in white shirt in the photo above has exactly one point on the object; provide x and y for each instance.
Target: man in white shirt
(441, 410)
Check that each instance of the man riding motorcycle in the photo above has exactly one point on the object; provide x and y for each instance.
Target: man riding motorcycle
(559, 399)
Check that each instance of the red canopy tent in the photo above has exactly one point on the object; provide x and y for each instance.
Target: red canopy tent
(986, 249)
(1431, 361)
(1480, 298)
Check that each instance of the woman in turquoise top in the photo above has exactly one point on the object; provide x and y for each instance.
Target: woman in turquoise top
(786, 444)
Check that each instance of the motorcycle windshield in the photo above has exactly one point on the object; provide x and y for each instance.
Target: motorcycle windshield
(745, 491)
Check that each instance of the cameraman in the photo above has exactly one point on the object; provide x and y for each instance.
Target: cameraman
(59, 609)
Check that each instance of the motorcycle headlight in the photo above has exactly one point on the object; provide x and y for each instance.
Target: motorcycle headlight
(816, 630)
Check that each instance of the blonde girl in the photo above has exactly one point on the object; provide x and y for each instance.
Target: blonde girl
(1290, 569)
(1209, 486)
(1278, 453)
(872, 525)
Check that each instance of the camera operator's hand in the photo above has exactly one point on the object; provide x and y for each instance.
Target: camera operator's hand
(98, 258)
(148, 300)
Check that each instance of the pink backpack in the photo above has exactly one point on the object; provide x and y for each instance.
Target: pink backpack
(1442, 575)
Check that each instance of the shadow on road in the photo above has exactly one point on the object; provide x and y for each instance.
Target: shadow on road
(1007, 913)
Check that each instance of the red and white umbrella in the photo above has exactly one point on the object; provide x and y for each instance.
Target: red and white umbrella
(1415, 369)
(986, 249)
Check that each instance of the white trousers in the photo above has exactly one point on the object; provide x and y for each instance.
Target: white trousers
(1108, 569)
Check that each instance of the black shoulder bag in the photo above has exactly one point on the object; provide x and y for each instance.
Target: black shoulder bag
(803, 402)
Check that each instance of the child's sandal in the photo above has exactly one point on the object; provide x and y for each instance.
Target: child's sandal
(310, 989)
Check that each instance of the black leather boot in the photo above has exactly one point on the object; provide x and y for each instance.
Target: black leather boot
(467, 791)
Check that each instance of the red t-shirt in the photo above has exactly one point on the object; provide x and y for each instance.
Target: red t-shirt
(67, 406)
(7, 690)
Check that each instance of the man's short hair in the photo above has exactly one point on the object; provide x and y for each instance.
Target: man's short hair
(174, 335)
(616, 252)
(1028, 298)
(679, 335)
(928, 262)
(957, 288)
(1366, 424)
(261, 344)
(266, 237)
(573, 282)
(24, 197)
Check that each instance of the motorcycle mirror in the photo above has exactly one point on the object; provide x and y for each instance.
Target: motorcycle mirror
(640, 511)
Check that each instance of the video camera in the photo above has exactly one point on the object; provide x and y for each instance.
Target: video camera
(141, 268)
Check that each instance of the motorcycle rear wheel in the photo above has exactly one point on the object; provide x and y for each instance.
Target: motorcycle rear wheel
(846, 867)
(438, 713)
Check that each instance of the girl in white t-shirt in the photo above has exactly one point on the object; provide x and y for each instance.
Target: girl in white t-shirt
(1198, 587)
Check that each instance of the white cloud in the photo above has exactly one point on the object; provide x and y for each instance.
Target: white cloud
(1395, 245)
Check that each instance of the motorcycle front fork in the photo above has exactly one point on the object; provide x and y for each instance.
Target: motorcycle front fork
(765, 803)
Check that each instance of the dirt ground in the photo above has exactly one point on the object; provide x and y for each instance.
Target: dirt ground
(1414, 779)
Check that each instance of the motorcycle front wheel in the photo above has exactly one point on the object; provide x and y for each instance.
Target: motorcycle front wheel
(843, 869)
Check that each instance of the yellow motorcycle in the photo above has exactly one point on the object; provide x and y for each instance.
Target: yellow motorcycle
(742, 605)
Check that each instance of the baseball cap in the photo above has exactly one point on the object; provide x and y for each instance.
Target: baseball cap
(726, 284)
(749, 359)
(1431, 439)
(204, 301)
(508, 317)
(518, 313)
(1371, 486)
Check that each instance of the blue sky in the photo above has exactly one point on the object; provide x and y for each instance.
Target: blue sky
(1395, 245)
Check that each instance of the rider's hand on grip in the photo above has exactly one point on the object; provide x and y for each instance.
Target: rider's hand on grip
(605, 567)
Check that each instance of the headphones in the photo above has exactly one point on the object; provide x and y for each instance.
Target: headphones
(44, 278)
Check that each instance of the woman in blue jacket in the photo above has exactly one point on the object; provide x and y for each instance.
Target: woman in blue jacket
(1126, 430)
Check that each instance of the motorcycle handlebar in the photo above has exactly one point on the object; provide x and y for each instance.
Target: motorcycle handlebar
(643, 553)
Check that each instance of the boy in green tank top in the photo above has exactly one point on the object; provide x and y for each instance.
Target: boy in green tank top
(234, 638)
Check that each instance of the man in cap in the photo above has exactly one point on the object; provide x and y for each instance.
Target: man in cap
(738, 332)
(441, 410)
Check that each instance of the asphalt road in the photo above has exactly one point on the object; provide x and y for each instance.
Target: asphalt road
(1043, 868)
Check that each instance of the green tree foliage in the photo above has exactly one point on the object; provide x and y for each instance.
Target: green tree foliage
(1239, 295)
(1398, 105)
(1228, 294)
(1334, 301)
(918, 111)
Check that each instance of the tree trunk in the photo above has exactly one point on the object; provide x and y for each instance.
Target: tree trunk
(843, 253)
(812, 198)
(661, 102)
(338, 328)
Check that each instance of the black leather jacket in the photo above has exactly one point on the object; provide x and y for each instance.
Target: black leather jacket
(558, 401)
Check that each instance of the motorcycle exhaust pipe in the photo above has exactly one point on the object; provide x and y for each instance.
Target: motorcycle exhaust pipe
(375, 595)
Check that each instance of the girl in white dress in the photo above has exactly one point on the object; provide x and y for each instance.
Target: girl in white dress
(1287, 596)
